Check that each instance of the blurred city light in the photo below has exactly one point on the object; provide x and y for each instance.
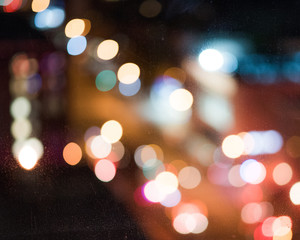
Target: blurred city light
(233, 146)
(130, 89)
(27, 157)
(72, 153)
(76, 45)
(295, 193)
(106, 80)
(282, 173)
(52, 17)
(112, 131)
(107, 49)
(105, 170)
(211, 60)
(181, 99)
(39, 5)
(128, 73)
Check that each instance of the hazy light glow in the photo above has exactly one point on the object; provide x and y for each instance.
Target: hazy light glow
(128, 73)
(100, 147)
(211, 60)
(151, 168)
(189, 177)
(20, 108)
(252, 171)
(112, 131)
(75, 28)
(167, 182)
(72, 153)
(282, 226)
(76, 45)
(144, 153)
(52, 17)
(28, 157)
(267, 226)
(106, 80)
(234, 176)
(282, 174)
(105, 170)
(39, 5)
(12, 6)
(130, 89)
(233, 146)
(295, 193)
(92, 131)
(118, 150)
(262, 142)
(172, 199)
(153, 192)
(21, 128)
(185, 223)
(251, 213)
(107, 49)
(216, 111)
(181, 99)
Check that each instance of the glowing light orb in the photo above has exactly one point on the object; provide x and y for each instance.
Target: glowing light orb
(167, 182)
(172, 199)
(184, 223)
(76, 45)
(49, 18)
(92, 131)
(130, 89)
(267, 226)
(211, 60)
(252, 171)
(112, 131)
(251, 213)
(119, 150)
(75, 28)
(106, 80)
(28, 157)
(144, 153)
(282, 174)
(234, 176)
(107, 49)
(105, 170)
(39, 5)
(201, 223)
(20, 108)
(295, 193)
(21, 128)
(100, 147)
(282, 226)
(153, 192)
(189, 177)
(72, 153)
(128, 73)
(233, 146)
(181, 99)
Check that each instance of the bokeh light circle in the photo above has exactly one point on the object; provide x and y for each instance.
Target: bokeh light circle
(295, 193)
(72, 153)
(211, 60)
(282, 173)
(20, 108)
(128, 73)
(189, 177)
(76, 45)
(107, 49)
(167, 182)
(27, 157)
(105, 170)
(112, 131)
(233, 146)
(106, 80)
(100, 147)
(181, 99)
(74, 28)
